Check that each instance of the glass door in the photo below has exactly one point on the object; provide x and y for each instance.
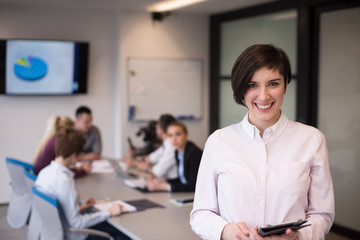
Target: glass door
(338, 107)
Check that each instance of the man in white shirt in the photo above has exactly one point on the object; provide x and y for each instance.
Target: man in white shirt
(57, 180)
(162, 161)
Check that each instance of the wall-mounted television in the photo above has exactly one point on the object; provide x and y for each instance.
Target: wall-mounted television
(43, 67)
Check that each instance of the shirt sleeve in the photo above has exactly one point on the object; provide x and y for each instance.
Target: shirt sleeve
(68, 200)
(97, 144)
(154, 156)
(321, 209)
(165, 163)
(78, 172)
(205, 220)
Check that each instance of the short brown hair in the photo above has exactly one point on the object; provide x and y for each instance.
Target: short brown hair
(179, 124)
(252, 59)
(68, 142)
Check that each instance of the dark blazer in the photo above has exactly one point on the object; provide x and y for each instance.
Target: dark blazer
(192, 157)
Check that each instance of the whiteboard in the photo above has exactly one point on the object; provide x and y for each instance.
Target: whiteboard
(158, 86)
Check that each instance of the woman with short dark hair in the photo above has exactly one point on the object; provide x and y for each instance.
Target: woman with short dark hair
(266, 169)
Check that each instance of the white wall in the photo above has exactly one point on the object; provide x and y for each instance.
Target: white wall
(176, 36)
(23, 118)
(113, 37)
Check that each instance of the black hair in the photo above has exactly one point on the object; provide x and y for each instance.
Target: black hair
(81, 110)
(165, 120)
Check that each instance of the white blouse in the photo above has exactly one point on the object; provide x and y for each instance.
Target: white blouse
(164, 161)
(281, 177)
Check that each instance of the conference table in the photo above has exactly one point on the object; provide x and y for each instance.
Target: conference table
(170, 222)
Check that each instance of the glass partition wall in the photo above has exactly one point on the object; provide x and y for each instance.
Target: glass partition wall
(338, 109)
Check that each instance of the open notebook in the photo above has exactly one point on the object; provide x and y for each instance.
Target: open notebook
(137, 183)
(104, 206)
(129, 206)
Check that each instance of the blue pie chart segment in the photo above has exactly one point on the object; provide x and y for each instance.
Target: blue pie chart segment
(30, 68)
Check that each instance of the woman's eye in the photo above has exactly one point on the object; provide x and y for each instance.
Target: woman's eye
(252, 85)
(274, 84)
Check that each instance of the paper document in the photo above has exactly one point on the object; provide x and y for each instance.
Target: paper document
(101, 166)
(136, 183)
(104, 206)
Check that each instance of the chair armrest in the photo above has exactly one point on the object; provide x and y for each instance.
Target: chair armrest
(92, 232)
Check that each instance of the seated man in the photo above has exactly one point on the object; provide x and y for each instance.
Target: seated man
(83, 123)
(161, 162)
(58, 180)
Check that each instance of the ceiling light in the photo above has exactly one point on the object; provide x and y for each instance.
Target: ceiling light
(169, 5)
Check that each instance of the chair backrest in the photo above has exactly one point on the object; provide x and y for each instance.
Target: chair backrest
(20, 199)
(30, 178)
(48, 210)
(34, 226)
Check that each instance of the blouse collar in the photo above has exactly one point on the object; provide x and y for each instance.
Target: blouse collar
(275, 129)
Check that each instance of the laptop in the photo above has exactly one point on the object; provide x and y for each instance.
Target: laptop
(125, 172)
(122, 170)
(118, 170)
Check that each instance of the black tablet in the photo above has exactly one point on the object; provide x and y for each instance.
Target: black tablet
(278, 229)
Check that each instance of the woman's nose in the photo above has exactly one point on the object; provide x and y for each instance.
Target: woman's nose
(264, 93)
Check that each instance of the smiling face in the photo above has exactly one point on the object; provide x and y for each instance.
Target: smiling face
(264, 97)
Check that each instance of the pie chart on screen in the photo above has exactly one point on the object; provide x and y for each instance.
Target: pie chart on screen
(30, 68)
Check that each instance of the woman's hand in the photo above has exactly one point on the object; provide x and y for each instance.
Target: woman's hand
(143, 166)
(289, 235)
(89, 202)
(129, 161)
(235, 231)
(155, 184)
(115, 210)
(132, 152)
(86, 166)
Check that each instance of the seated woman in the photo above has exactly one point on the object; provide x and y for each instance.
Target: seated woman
(161, 162)
(45, 151)
(188, 157)
(58, 180)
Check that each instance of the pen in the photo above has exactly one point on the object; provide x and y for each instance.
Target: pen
(102, 200)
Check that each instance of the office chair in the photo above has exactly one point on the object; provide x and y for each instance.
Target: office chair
(20, 199)
(34, 222)
(51, 226)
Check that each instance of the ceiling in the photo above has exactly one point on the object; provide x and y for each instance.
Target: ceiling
(207, 7)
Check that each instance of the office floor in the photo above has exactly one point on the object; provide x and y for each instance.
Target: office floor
(7, 233)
